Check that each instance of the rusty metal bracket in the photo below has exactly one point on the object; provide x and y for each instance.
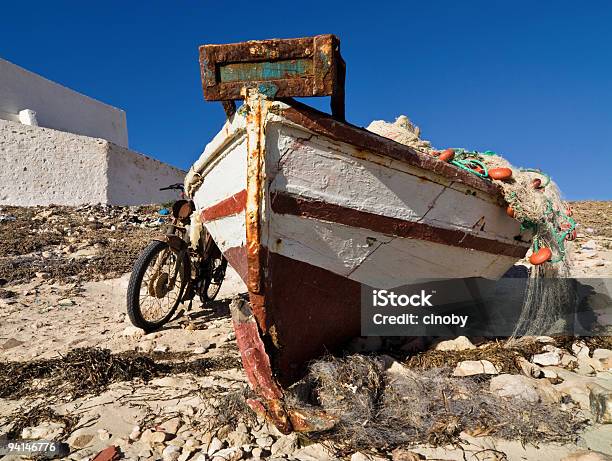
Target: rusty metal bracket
(278, 68)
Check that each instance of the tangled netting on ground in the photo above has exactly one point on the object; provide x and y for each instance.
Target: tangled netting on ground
(382, 408)
(535, 201)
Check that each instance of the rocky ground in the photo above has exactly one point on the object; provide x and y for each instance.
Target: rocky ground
(178, 394)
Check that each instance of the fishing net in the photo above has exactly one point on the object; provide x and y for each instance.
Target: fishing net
(535, 201)
(380, 407)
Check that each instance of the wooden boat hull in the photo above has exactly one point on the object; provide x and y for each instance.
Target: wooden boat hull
(307, 209)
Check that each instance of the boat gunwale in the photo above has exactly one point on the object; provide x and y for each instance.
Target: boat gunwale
(325, 125)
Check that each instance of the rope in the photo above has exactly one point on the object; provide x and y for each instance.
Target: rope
(554, 222)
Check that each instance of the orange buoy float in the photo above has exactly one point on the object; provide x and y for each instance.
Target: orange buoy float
(536, 183)
(447, 155)
(510, 211)
(500, 173)
(477, 168)
(540, 256)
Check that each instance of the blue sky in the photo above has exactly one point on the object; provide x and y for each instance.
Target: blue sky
(530, 80)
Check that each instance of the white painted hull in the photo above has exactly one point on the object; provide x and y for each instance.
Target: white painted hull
(311, 167)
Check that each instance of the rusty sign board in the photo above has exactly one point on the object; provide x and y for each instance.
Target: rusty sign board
(279, 68)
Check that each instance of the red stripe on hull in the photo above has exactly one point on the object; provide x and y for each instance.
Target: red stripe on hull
(237, 258)
(227, 207)
(288, 204)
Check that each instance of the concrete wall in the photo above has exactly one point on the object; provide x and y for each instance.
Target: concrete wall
(58, 107)
(135, 178)
(41, 166)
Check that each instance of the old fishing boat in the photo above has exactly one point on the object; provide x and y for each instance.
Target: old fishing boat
(307, 207)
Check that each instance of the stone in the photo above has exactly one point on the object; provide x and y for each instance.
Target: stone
(133, 332)
(546, 391)
(80, 441)
(587, 455)
(284, 445)
(529, 369)
(568, 361)
(45, 431)
(237, 438)
(161, 348)
(313, 452)
(257, 452)
(600, 401)
(475, 367)
(580, 349)
(549, 373)
(589, 245)
(604, 357)
(264, 442)
(228, 454)
(171, 426)
(104, 435)
(171, 453)
(151, 437)
(401, 454)
(65, 302)
(215, 446)
(545, 339)
(363, 457)
(547, 358)
(461, 343)
(517, 386)
(135, 434)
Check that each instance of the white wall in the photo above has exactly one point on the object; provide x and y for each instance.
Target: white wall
(135, 178)
(58, 107)
(41, 166)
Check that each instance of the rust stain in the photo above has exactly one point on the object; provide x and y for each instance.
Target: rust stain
(297, 67)
(258, 368)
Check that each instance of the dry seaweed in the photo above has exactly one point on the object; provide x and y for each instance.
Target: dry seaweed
(504, 356)
(34, 416)
(91, 370)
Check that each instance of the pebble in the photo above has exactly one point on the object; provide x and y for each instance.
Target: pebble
(103, 435)
(228, 454)
(285, 445)
(151, 437)
(264, 442)
(171, 426)
(65, 302)
(600, 400)
(133, 332)
(171, 453)
(475, 367)
(461, 343)
(215, 446)
(547, 358)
